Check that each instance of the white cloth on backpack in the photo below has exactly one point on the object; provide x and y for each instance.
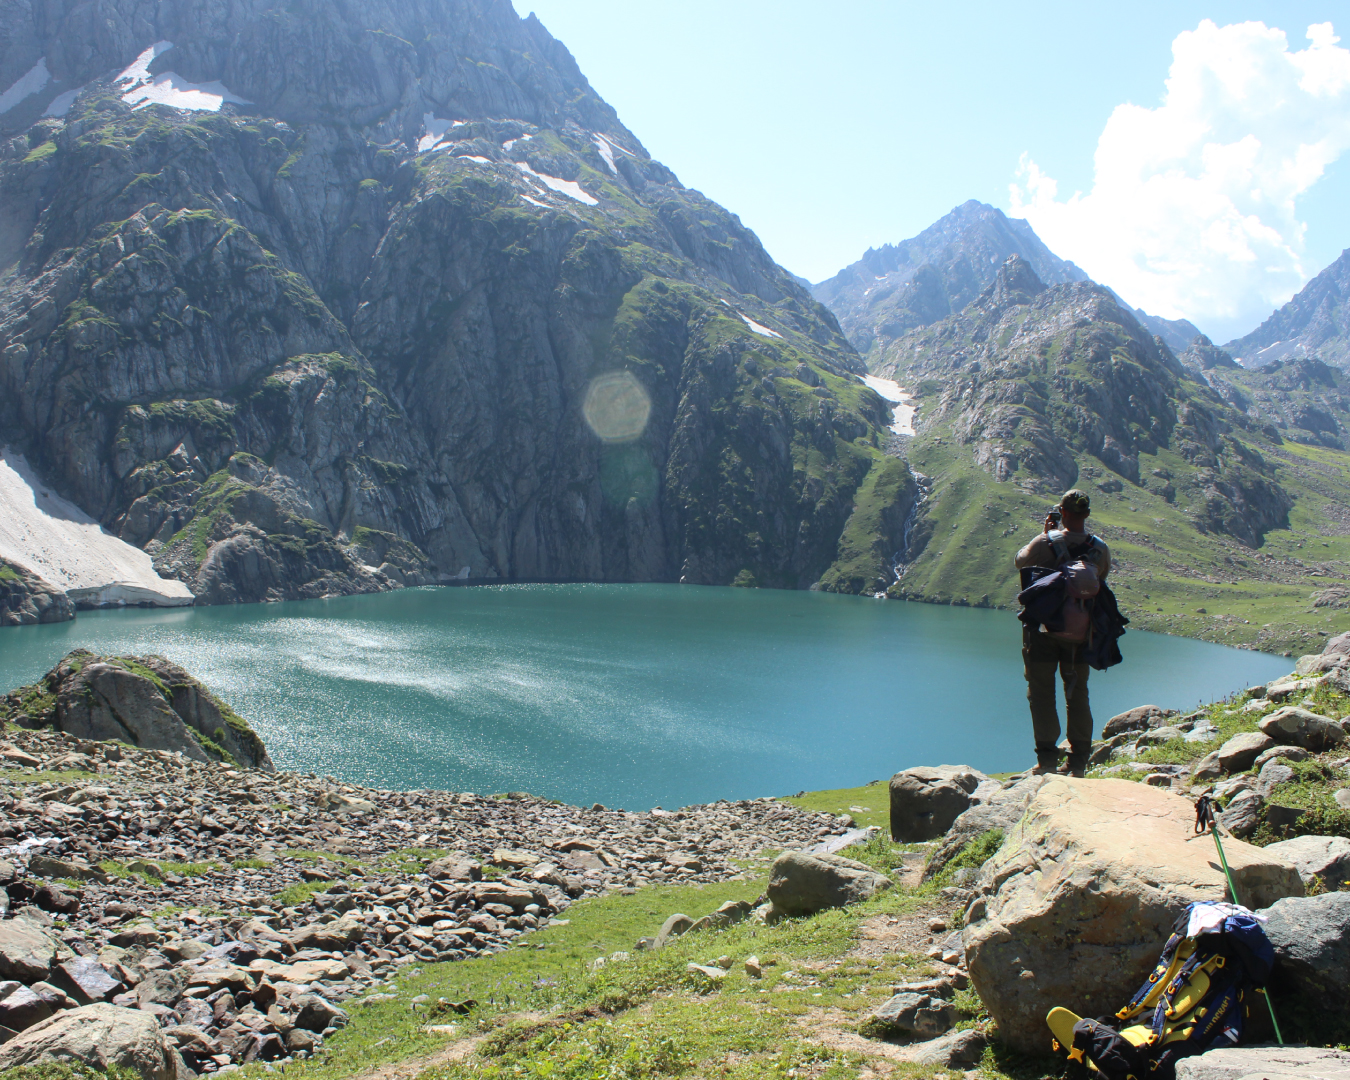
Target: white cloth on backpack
(1207, 918)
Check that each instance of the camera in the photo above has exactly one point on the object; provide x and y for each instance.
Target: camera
(1055, 516)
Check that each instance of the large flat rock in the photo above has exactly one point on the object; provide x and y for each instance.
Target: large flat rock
(1271, 1062)
(1076, 905)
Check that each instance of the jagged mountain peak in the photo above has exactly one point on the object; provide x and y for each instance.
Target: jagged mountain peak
(1015, 283)
(1315, 323)
(898, 287)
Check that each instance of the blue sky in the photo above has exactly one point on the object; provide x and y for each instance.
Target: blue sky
(832, 128)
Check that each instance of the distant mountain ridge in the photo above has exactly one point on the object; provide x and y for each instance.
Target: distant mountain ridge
(898, 287)
(1196, 479)
(1315, 323)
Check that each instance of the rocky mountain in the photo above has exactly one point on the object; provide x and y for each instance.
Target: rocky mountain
(308, 300)
(897, 288)
(1299, 399)
(1315, 323)
(1034, 388)
(1176, 333)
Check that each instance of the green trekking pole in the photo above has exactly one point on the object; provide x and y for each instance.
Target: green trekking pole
(1204, 820)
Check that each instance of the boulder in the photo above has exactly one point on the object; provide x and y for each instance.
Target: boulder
(1338, 645)
(1077, 903)
(1317, 857)
(313, 1013)
(729, 914)
(514, 859)
(1299, 727)
(23, 1006)
(1001, 811)
(955, 1050)
(148, 702)
(1243, 814)
(336, 935)
(1280, 753)
(1137, 719)
(802, 884)
(455, 868)
(85, 980)
(1236, 755)
(674, 926)
(925, 801)
(1272, 775)
(1311, 935)
(105, 701)
(47, 866)
(1291, 686)
(27, 951)
(26, 599)
(909, 1014)
(1275, 1062)
(97, 1035)
(162, 987)
(337, 803)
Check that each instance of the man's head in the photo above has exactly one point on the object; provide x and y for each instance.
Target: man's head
(1075, 507)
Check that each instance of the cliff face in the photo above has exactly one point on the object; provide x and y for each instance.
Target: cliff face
(1301, 400)
(329, 299)
(1315, 324)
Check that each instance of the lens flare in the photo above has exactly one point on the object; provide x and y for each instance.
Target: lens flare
(617, 406)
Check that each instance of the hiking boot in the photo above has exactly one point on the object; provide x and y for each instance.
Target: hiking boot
(1075, 765)
(1047, 761)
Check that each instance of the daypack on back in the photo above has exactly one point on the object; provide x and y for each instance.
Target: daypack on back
(1061, 599)
(1196, 999)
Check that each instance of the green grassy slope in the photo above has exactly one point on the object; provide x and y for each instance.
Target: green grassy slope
(1163, 571)
(1219, 528)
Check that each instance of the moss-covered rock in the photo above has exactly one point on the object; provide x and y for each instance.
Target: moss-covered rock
(145, 701)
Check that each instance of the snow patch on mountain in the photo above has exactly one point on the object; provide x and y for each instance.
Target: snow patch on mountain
(62, 544)
(570, 188)
(436, 129)
(606, 152)
(26, 85)
(759, 328)
(169, 88)
(62, 102)
(902, 414)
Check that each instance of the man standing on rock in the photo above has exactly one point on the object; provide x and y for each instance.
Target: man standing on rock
(1060, 542)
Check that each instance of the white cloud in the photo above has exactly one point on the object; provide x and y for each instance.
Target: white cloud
(1192, 211)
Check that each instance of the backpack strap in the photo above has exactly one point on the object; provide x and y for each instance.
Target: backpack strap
(1063, 552)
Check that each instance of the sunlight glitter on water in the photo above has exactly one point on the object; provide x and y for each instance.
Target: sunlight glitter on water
(630, 695)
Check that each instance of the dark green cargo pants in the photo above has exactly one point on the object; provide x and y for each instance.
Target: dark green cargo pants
(1042, 654)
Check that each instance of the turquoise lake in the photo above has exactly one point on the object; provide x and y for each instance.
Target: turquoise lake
(629, 695)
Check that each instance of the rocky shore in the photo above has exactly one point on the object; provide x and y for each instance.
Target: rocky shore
(242, 907)
(182, 913)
